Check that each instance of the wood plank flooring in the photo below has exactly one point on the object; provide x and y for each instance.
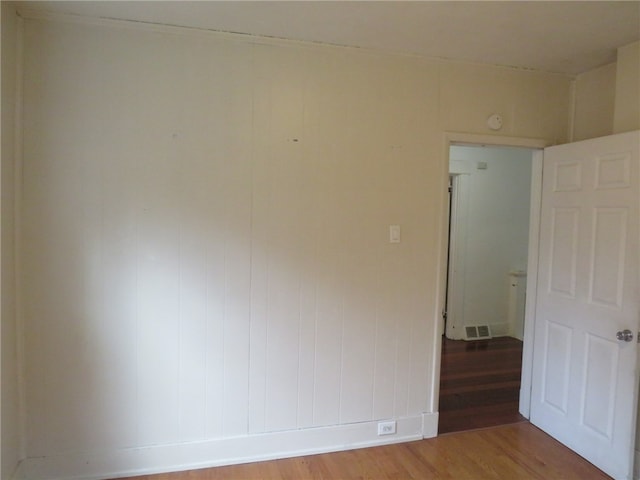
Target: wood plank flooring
(479, 383)
(515, 452)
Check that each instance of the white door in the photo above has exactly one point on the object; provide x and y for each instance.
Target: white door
(585, 379)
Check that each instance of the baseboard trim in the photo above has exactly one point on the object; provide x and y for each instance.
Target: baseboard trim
(186, 456)
(500, 329)
(429, 425)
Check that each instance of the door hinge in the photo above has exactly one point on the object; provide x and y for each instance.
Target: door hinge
(444, 314)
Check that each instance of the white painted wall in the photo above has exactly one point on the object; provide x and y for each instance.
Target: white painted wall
(206, 256)
(207, 241)
(627, 109)
(607, 99)
(9, 397)
(494, 217)
(595, 103)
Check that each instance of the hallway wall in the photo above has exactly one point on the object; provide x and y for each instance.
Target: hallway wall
(492, 234)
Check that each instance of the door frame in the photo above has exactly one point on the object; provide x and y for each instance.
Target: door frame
(456, 258)
(459, 138)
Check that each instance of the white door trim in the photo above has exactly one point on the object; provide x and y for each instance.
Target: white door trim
(532, 282)
(457, 232)
(451, 138)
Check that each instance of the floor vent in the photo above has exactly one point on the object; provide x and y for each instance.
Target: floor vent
(477, 332)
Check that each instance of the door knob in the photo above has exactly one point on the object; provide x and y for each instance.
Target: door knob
(625, 335)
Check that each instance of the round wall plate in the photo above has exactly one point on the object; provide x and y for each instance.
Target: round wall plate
(494, 122)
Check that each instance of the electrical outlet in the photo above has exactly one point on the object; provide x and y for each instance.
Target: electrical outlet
(387, 428)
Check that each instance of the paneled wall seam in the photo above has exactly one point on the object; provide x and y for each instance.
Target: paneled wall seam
(18, 200)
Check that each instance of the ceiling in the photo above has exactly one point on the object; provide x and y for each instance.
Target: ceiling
(567, 37)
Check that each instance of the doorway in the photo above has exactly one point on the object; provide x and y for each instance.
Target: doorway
(489, 210)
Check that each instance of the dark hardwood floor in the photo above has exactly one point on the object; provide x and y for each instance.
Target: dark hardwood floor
(479, 383)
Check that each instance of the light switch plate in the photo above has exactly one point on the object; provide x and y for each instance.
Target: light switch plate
(394, 233)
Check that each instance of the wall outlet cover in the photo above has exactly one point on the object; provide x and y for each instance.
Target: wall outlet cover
(387, 428)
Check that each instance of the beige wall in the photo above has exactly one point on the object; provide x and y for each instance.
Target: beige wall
(627, 112)
(10, 412)
(206, 239)
(531, 104)
(10, 436)
(607, 99)
(595, 103)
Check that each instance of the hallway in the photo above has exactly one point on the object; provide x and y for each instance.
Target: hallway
(479, 383)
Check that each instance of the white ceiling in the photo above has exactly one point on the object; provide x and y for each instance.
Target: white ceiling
(554, 36)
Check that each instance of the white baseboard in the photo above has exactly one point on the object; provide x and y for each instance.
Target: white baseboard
(500, 329)
(228, 451)
(429, 425)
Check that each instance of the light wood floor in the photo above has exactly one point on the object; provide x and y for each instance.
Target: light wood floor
(510, 452)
